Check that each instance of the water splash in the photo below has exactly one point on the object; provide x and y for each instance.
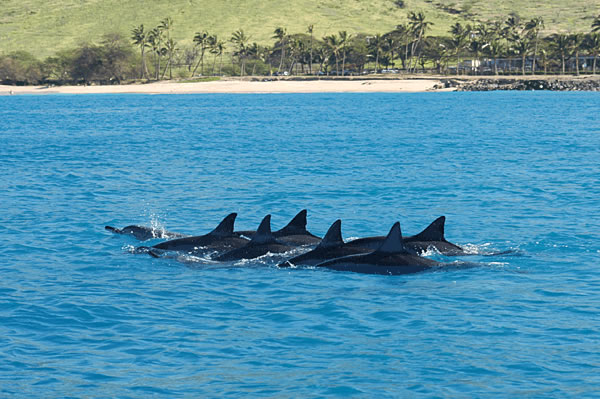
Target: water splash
(158, 229)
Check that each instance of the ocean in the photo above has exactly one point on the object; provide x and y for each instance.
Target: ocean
(81, 315)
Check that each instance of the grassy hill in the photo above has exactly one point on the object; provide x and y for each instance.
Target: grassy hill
(44, 27)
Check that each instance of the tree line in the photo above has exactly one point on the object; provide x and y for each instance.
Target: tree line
(507, 46)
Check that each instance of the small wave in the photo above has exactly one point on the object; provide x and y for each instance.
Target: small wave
(473, 249)
(486, 249)
(204, 259)
(498, 265)
(455, 265)
(129, 248)
(268, 259)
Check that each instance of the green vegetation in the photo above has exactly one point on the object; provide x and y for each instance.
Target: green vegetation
(46, 27)
(508, 45)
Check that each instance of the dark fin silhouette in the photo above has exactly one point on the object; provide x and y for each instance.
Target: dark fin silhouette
(433, 232)
(263, 234)
(393, 242)
(113, 229)
(296, 226)
(153, 254)
(333, 238)
(225, 228)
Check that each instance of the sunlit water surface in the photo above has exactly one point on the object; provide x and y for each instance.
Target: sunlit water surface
(81, 316)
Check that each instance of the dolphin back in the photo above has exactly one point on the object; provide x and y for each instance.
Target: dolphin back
(296, 226)
(433, 232)
(333, 237)
(393, 243)
(225, 228)
(113, 229)
(263, 234)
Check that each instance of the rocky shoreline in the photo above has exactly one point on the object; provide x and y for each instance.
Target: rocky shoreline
(557, 84)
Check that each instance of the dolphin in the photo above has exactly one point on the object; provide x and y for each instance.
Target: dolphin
(220, 239)
(432, 236)
(263, 242)
(144, 233)
(332, 246)
(391, 258)
(294, 233)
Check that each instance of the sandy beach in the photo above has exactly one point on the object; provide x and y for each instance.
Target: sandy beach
(239, 86)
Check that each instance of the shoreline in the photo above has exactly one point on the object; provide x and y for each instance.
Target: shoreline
(241, 86)
(265, 85)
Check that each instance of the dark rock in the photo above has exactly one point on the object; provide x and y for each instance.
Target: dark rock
(529, 84)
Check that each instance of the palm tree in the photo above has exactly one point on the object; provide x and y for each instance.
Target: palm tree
(494, 49)
(593, 45)
(358, 52)
(344, 39)
(170, 48)
(202, 40)
(561, 44)
(376, 45)
(404, 35)
(296, 47)
(211, 43)
(491, 33)
(419, 26)
(165, 26)
(533, 28)
(576, 40)
(459, 41)
(252, 53)
(140, 38)
(155, 40)
(334, 45)
(240, 39)
(478, 43)
(390, 40)
(511, 26)
(437, 50)
(544, 60)
(521, 47)
(310, 60)
(217, 48)
(281, 35)
(263, 54)
(322, 57)
(596, 24)
(511, 32)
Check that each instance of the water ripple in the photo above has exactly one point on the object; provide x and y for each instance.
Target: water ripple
(80, 315)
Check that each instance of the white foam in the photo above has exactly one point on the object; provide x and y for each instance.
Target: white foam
(430, 251)
(192, 258)
(158, 229)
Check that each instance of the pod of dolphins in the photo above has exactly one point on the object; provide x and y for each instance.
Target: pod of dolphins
(389, 255)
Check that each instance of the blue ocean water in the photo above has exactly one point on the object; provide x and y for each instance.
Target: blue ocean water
(81, 316)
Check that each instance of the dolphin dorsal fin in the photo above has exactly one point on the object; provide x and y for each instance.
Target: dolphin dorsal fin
(393, 242)
(433, 232)
(333, 238)
(263, 234)
(225, 228)
(297, 225)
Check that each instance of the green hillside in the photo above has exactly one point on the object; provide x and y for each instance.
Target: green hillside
(44, 27)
